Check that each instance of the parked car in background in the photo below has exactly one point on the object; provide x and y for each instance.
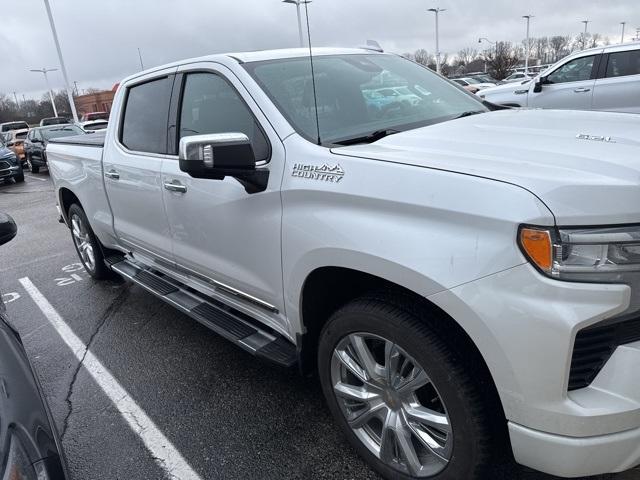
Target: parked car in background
(93, 126)
(473, 82)
(94, 116)
(37, 140)
(54, 121)
(29, 445)
(8, 126)
(10, 168)
(603, 78)
(457, 291)
(517, 77)
(14, 139)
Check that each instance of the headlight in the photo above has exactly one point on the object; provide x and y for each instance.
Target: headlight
(605, 255)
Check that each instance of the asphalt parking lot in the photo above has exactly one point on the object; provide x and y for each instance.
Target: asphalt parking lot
(227, 414)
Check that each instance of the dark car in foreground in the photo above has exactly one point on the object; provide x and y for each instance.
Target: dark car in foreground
(10, 167)
(36, 143)
(29, 445)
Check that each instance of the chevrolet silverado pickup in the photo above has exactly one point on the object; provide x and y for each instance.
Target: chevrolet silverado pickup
(464, 280)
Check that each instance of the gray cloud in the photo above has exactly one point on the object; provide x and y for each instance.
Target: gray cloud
(100, 38)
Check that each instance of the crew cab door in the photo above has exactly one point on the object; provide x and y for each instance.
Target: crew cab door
(132, 166)
(225, 239)
(617, 88)
(570, 86)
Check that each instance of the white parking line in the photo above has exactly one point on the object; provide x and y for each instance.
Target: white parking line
(36, 178)
(162, 450)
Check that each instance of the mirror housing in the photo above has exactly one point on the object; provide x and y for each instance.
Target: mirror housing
(537, 86)
(218, 155)
(8, 228)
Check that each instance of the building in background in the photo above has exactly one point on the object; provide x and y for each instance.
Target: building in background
(95, 101)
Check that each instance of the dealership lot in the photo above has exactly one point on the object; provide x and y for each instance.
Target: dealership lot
(227, 414)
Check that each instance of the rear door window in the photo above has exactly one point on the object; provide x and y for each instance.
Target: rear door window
(144, 125)
(623, 63)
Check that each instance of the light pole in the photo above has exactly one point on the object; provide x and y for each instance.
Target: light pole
(140, 58)
(527, 52)
(586, 22)
(46, 79)
(64, 69)
(622, 37)
(490, 43)
(437, 12)
(297, 3)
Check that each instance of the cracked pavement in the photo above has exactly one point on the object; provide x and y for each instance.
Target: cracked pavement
(229, 415)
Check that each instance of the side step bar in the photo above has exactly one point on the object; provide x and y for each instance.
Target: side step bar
(227, 322)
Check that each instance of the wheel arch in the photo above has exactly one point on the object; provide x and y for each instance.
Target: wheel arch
(66, 198)
(326, 289)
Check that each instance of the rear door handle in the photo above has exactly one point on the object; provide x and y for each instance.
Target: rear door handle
(112, 174)
(175, 186)
(581, 90)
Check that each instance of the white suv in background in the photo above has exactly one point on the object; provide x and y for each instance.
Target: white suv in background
(603, 78)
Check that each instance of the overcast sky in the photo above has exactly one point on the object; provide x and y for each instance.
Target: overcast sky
(100, 38)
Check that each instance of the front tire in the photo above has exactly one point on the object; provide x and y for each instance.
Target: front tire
(401, 395)
(87, 244)
(19, 178)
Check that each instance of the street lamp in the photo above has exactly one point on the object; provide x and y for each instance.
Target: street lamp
(46, 79)
(437, 12)
(64, 69)
(622, 37)
(527, 53)
(586, 22)
(297, 3)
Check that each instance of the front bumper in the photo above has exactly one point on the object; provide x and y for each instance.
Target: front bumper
(525, 325)
(575, 457)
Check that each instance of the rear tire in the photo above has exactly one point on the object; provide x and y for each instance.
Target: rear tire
(396, 441)
(87, 244)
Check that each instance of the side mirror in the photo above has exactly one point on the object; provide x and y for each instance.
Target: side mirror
(8, 228)
(537, 86)
(219, 155)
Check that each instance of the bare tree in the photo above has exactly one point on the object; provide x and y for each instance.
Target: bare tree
(501, 59)
(594, 40)
(540, 49)
(466, 56)
(422, 57)
(558, 47)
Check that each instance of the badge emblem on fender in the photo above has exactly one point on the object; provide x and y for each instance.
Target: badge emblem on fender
(596, 138)
(324, 173)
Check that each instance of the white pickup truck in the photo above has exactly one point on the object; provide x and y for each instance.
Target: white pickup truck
(603, 78)
(465, 281)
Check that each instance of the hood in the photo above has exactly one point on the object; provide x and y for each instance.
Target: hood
(505, 87)
(585, 166)
(4, 151)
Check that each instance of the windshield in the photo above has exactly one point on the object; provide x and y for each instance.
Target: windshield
(359, 94)
(14, 126)
(66, 131)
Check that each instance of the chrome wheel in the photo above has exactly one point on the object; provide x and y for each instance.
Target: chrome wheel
(391, 404)
(82, 240)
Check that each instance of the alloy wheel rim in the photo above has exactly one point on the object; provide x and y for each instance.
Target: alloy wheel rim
(82, 241)
(391, 404)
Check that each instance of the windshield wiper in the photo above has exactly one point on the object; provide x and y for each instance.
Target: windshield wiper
(368, 138)
(469, 113)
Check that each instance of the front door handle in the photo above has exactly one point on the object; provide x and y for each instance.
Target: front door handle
(175, 186)
(112, 174)
(581, 90)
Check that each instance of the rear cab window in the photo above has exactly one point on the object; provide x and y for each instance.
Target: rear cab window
(146, 109)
